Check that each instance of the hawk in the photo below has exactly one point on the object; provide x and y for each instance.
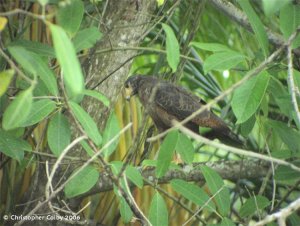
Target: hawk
(165, 102)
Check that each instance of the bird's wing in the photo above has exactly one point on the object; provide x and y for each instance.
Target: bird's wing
(180, 103)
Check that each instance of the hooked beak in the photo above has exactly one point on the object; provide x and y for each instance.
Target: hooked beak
(128, 93)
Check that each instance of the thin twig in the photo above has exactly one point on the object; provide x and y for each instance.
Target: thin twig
(234, 149)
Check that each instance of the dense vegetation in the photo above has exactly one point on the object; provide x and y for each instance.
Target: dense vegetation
(73, 151)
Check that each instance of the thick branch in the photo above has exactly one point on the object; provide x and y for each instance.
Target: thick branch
(228, 170)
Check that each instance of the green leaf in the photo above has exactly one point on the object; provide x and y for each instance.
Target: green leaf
(87, 148)
(193, 193)
(69, 63)
(215, 183)
(70, 15)
(227, 222)
(247, 98)
(34, 64)
(185, 148)
(222, 61)
(58, 133)
(5, 78)
(135, 176)
(82, 182)
(172, 47)
(97, 95)
(256, 25)
(86, 121)
(86, 38)
(272, 6)
(12, 146)
(247, 126)
(158, 213)
(125, 211)
(43, 50)
(112, 128)
(253, 204)
(288, 135)
(166, 152)
(214, 47)
(284, 173)
(40, 110)
(289, 20)
(18, 110)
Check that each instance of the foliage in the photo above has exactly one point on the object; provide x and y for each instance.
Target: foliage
(45, 112)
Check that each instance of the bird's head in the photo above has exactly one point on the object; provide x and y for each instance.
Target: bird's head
(131, 86)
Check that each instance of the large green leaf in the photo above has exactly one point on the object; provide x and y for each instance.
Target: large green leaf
(256, 25)
(222, 61)
(247, 97)
(5, 78)
(40, 110)
(70, 15)
(172, 47)
(18, 110)
(34, 64)
(214, 47)
(166, 152)
(68, 61)
(12, 146)
(289, 21)
(217, 189)
(82, 182)
(158, 213)
(58, 133)
(86, 121)
(254, 204)
(193, 193)
(185, 148)
(86, 38)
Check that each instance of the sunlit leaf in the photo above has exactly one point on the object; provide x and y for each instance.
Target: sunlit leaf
(68, 61)
(272, 6)
(172, 47)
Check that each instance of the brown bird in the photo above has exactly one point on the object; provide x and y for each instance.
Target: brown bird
(165, 102)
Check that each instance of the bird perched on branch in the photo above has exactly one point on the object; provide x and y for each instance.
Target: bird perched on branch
(166, 102)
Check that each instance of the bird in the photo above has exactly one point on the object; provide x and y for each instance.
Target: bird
(165, 102)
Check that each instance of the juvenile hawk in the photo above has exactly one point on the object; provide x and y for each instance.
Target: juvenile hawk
(165, 102)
